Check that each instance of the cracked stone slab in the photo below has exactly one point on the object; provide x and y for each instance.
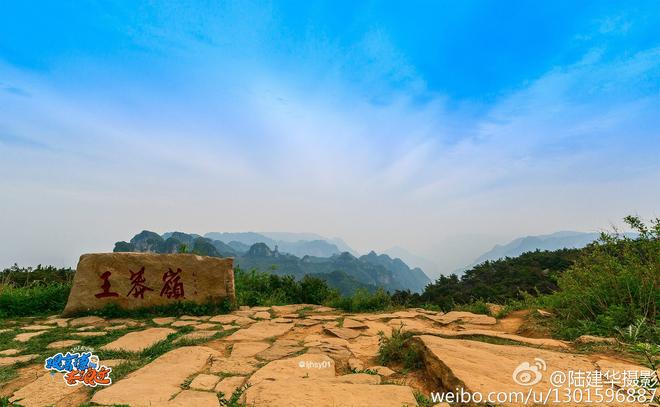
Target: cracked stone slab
(204, 382)
(24, 337)
(484, 367)
(188, 398)
(47, 390)
(309, 380)
(63, 344)
(156, 383)
(139, 340)
(8, 361)
(260, 331)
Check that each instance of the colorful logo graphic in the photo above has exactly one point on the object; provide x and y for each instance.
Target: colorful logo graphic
(82, 368)
(527, 374)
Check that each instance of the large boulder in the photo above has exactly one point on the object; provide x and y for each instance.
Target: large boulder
(135, 280)
(475, 366)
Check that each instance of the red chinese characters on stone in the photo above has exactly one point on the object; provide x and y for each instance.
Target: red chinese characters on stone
(138, 287)
(106, 286)
(173, 287)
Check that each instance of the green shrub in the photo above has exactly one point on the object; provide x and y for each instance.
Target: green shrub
(615, 282)
(259, 288)
(363, 300)
(4, 402)
(398, 348)
(477, 307)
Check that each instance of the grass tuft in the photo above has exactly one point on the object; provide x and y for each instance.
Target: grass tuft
(399, 349)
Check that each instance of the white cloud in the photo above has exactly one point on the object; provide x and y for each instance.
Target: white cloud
(567, 151)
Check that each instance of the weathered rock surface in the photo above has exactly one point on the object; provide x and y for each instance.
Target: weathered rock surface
(315, 340)
(206, 326)
(462, 316)
(280, 349)
(364, 346)
(8, 361)
(382, 370)
(265, 359)
(233, 365)
(139, 340)
(248, 349)
(47, 390)
(243, 321)
(195, 336)
(343, 333)
(85, 321)
(304, 366)
(229, 385)
(204, 382)
(224, 319)
(260, 331)
(26, 336)
(183, 323)
(36, 327)
(309, 380)
(63, 344)
(188, 398)
(355, 364)
(155, 383)
(353, 324)
(324, 317)
(134, 280)
(288, 309)
(89, 334)
(545, 342)
(484, 367)
(61, 322)
(163, 320)
(296, 392)
(261, 315)
(307, 322)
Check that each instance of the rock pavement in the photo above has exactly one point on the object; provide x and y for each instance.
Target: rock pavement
(289, 355)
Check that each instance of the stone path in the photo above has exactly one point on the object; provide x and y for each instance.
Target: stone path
(63, 344)
(159, 381)
(8, 361)
(46, 390)
(24, 337)
(260, 331)
(290, 355)
(140, 340)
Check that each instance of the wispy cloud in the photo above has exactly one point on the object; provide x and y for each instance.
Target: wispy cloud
(219, 128)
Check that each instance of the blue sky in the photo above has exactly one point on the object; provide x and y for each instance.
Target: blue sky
(442, 127)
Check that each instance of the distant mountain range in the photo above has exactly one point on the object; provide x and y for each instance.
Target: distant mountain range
(430, 267)
(554, 241)
(289, 253)
(298, 244)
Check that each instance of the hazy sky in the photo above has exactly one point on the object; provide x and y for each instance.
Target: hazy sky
(441, 127)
